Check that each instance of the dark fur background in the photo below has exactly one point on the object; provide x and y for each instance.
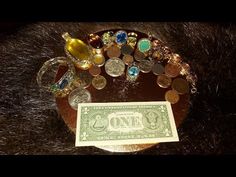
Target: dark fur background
(30, 124)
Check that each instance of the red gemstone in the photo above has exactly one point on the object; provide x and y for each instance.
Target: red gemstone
(95, 41)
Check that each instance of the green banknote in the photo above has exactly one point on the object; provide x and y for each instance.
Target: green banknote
(125, 123)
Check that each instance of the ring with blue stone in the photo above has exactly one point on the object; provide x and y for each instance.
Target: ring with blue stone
(132, 73)
(121, 37)
(63, 86)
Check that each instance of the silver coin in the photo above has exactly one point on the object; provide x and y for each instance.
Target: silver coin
(158, 69)
(145, 65)
(114, 67)
(79, 95)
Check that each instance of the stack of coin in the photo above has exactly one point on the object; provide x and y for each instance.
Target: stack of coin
(172, 96)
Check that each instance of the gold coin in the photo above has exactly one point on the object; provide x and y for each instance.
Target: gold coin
(172, 70)
(180, 85)
(128, 59)
(172, 96)
(163, 81)
(113, 51)
(99, 82)
(98, 60)
(95, 70)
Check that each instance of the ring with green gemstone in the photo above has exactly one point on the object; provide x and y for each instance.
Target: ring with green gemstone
(144, 45)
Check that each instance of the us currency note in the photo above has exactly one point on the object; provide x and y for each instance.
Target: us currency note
(122, 123)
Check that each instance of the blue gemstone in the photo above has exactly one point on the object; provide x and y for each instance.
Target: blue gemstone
(121, 37)
(133, 71)
(63, 83)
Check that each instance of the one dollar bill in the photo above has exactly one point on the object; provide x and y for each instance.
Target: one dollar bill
(125, 123)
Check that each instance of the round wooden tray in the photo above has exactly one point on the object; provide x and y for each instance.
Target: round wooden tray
(120, 90)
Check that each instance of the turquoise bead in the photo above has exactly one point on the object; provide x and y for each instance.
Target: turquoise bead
(133, 71)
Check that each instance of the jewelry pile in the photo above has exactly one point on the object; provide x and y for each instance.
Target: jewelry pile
(121, 53)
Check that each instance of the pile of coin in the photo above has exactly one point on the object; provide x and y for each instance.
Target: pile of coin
(126, 53)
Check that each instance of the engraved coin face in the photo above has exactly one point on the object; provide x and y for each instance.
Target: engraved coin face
(126, 49)
(163, 81)
(172, 96)
(113, 51)
(79, 95)
(83, 79)
(139, 55)
(128, 59)
(114, 67)
(180, 85)
(145, 66)
(99, 82)
(158, 69)
(172, 70)
(98, 60)
(95, 70)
